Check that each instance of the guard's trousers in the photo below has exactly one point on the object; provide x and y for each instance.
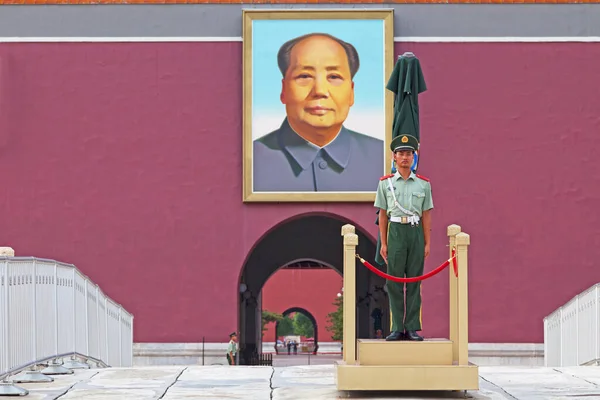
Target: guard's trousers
(406, 258)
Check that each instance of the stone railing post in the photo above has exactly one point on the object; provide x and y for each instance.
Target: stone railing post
(453, 230)
(349, 314)
(7, 252)
(462, 244)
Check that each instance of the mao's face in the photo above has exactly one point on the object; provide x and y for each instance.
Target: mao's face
(317, 89)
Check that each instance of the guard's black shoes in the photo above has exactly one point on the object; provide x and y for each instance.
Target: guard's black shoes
(412, 335)
(395, 335)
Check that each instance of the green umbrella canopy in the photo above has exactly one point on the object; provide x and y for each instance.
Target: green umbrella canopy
(406, 82)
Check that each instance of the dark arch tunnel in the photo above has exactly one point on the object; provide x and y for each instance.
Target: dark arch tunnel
(312, 236)
(309, 316)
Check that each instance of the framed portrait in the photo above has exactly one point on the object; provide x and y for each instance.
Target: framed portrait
(317, 117)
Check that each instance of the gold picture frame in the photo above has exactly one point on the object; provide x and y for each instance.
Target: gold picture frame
(264, 177)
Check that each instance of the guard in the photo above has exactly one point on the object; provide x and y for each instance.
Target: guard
(232, 348)
(405, 203)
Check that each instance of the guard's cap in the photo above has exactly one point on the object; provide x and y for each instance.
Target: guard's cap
(404, 142)
(232, 334)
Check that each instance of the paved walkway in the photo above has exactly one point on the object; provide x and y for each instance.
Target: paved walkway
(314, 382)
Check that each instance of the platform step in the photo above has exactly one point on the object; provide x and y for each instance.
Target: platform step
(427, 352)
(406, 377)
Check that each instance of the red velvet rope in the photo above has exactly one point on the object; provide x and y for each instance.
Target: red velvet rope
(415, 279)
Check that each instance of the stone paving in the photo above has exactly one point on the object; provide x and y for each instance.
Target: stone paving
(306, 382)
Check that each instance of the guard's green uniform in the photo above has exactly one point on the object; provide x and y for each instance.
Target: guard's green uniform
(406, 246)
(231, 349)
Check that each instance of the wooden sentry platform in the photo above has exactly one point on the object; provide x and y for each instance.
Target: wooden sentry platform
(434, 364)
(426, 365)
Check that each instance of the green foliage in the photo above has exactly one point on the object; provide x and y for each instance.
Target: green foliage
(303, 326)
(268, 317)
(299, 324)
(285, 326)
(335, 319)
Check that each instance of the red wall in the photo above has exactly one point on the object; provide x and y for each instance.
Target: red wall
(125, 159)
(313, 290)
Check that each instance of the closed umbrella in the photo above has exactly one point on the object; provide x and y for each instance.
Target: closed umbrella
(406, 82)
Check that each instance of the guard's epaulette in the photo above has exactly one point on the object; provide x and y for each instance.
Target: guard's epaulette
(422, 177)
(385, 177)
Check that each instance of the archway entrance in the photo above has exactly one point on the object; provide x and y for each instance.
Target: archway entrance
(310, 317)
(309, 236)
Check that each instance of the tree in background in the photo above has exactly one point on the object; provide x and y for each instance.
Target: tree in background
(294, 324)
(285, 326)
(303, 326)
(335, 319)
(268, 317)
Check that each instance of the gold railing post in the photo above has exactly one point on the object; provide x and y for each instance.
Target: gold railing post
(462, 244)
(349, 338)
(453, 230)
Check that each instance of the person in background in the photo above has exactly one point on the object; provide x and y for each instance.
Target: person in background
(232, 348)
